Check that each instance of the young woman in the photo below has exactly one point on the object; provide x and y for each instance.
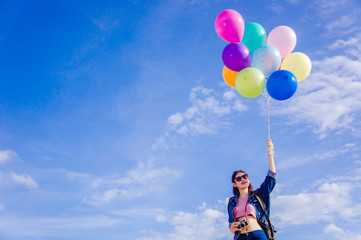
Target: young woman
(244, 206)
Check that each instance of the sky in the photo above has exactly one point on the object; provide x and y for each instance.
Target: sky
(116, 123)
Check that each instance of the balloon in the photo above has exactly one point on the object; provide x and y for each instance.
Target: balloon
(250, 82)
(254, 36)
(230, 25)
(281, 85)
(229, 76)
(236, 56)
(299, 64)
(283, 38)
(267, 58)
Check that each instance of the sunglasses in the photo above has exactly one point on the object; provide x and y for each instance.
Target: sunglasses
(238, 179)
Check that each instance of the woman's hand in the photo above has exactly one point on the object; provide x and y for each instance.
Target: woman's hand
(271, 153)
(234, 227)
(270, 148)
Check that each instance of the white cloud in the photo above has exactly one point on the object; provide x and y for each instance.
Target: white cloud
(238, 106)
(339, 233)
(347, 12)
(330, 202)
(52, 226)
(351, 46)
(330, 99)
(175, 119)
(25, 179)
(323, 156)
(207, 112)
(206, 223)
(229, 95)
(7, 155)
(276, 8)
(326, 8)
(344, 23)
(142, 180)
(293, 1)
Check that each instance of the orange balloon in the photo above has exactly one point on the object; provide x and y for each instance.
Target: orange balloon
(229, 76)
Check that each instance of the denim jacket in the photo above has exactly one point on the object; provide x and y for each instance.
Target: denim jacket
(265, 190)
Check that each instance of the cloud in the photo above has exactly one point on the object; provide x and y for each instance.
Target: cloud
(205, 114)
(351, 46)
(329, 155)
(108, 22)
(330, 99)
(208, 223)
(25, 180)
(339, 233)
(139, 181)
(52, 226)
(327, 8)
(7, 155)
(331, 202)
(276, 8)
(347, 13)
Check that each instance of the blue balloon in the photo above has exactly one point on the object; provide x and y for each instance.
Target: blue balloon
(281, 85)
(267, 58)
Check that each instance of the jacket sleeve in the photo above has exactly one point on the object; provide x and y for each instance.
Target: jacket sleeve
(229, 214)
(267, 187)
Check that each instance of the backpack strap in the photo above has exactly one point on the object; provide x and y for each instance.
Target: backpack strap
(258, 196)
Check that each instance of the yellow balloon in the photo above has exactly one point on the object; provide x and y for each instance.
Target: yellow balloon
(229, 76)
(299, 64)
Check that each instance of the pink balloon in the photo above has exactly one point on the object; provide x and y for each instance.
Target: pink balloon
(283, 38)
(230, 25)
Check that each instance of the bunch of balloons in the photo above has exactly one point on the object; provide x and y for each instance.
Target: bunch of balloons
(254, 62)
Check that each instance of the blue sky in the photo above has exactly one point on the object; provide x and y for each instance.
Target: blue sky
(115, 122)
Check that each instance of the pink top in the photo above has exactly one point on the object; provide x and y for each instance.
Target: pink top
(242, 211)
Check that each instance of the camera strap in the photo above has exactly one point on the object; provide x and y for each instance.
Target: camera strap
(258, 196)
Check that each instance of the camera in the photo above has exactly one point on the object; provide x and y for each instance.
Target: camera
(243, 223)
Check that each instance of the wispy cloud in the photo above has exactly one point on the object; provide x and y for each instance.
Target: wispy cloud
(7, 155)
(340, 233)
(207, 114)
(143, 179)
(203, 117)
(327, 8)
(24, 179)
(328, 203)
(330, 99)
(322, 156)
(208, 223)
(107, 22)
(347, 13)
(52, 226)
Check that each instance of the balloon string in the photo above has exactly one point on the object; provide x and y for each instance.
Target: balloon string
(268, 101)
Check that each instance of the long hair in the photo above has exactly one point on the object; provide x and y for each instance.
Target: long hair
(235, 190)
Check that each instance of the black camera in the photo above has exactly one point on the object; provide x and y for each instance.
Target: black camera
(243, 223)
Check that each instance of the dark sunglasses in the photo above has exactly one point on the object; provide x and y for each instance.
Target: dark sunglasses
(238, 179)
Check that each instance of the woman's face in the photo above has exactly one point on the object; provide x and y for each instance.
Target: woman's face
(241, 181)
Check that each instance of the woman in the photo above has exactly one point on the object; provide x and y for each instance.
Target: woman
(243, 206)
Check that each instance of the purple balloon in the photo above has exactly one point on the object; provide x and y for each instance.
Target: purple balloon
(236, 56)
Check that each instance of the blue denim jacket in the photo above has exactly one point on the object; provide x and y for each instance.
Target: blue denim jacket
(265, 190)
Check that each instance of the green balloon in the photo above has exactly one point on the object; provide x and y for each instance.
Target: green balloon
(254, 36)
(250, 82)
